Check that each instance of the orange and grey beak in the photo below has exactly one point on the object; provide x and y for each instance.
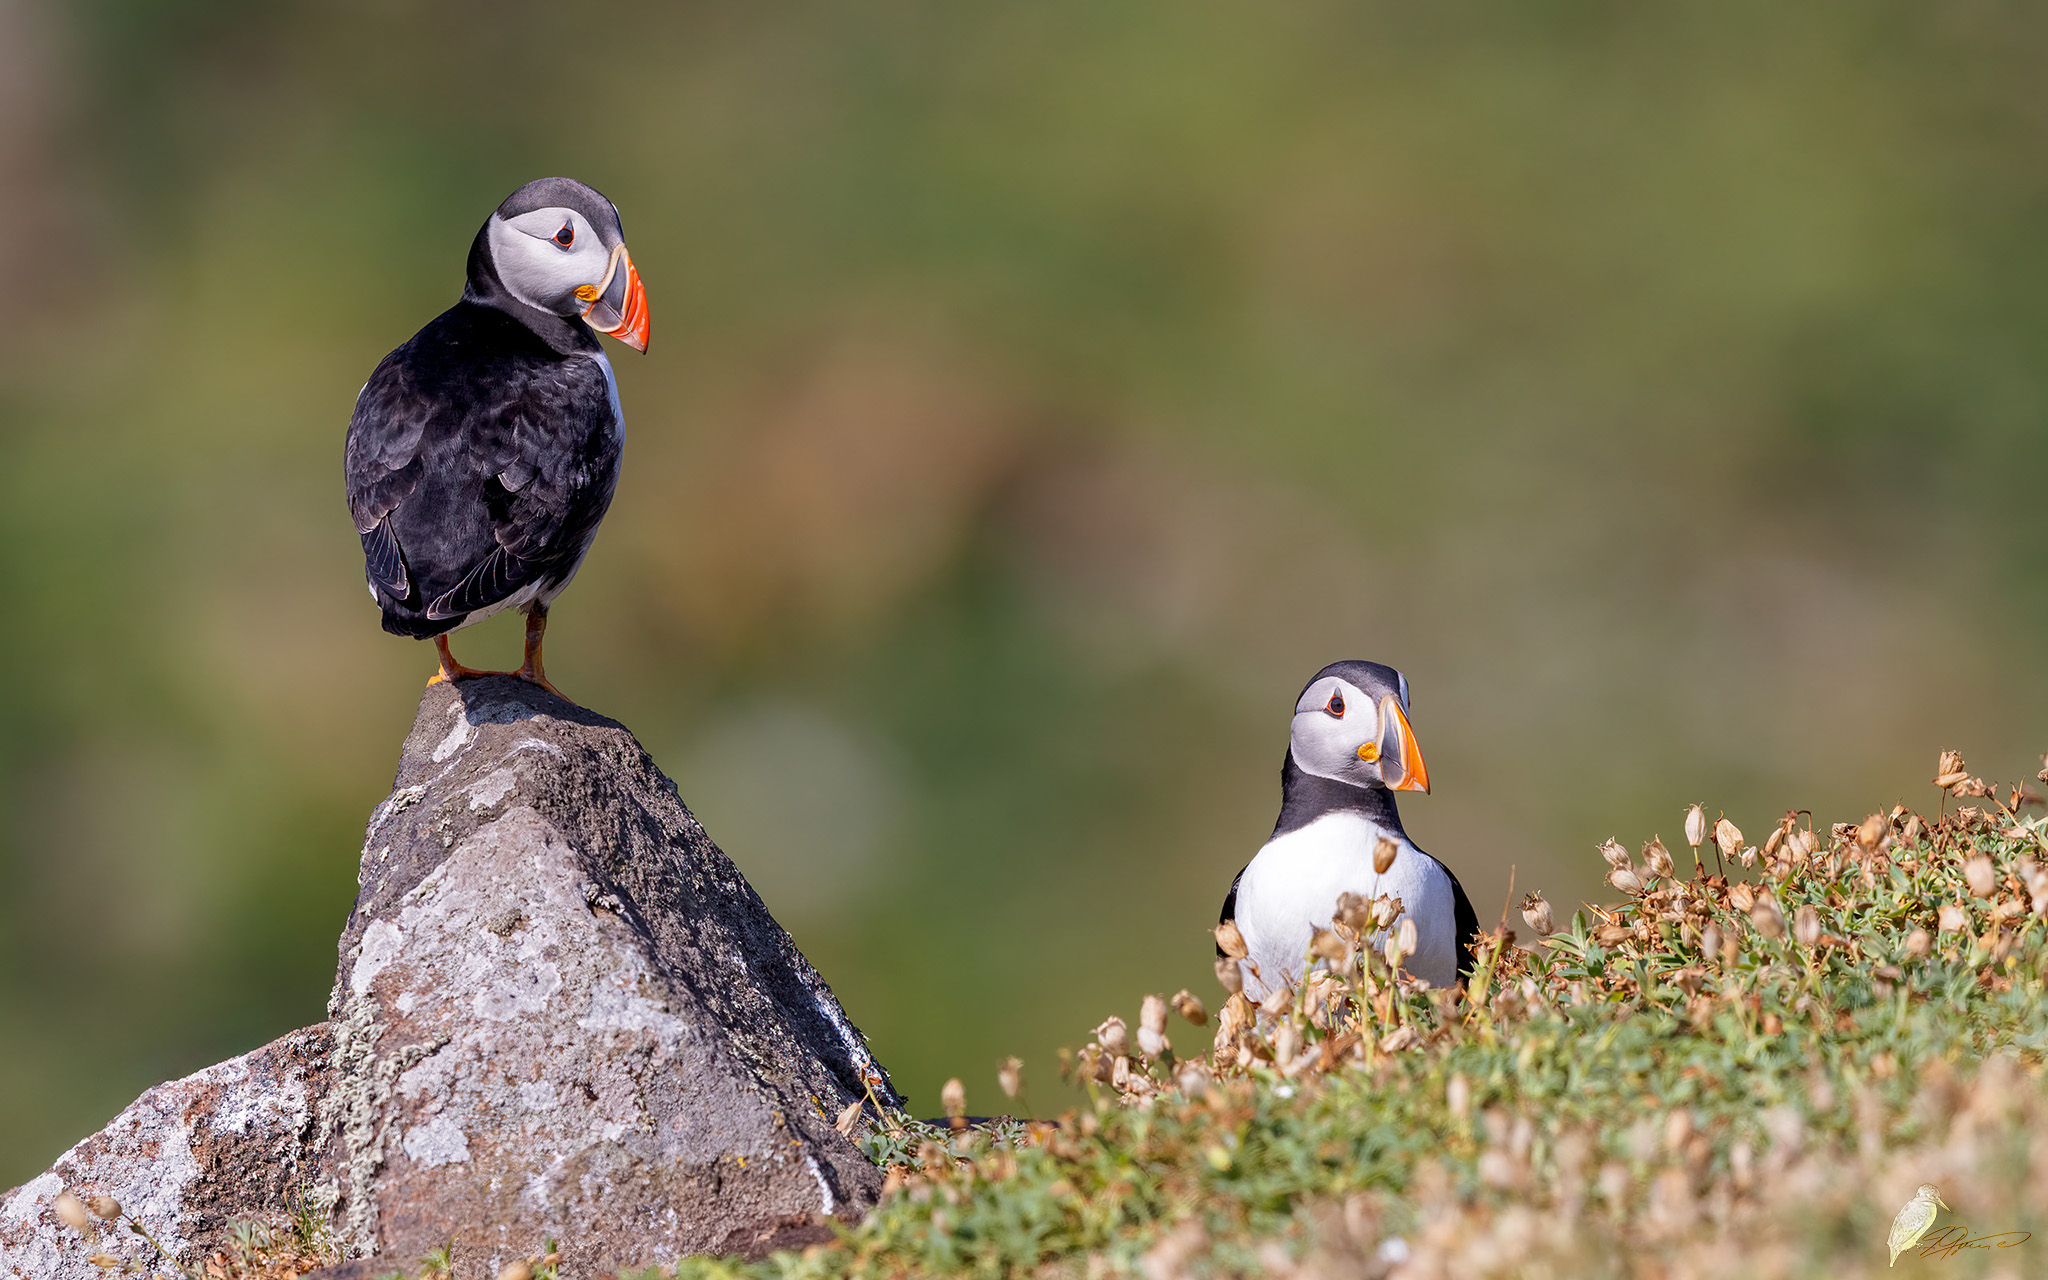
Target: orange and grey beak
(1401, 766)
(617, 304)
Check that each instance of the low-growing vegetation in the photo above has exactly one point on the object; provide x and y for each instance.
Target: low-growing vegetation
(1742, 1068)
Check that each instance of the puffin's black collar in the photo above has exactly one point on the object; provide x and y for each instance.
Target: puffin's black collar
(1304, 797)
(567, 335)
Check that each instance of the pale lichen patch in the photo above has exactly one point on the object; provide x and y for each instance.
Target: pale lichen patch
(437, 1142)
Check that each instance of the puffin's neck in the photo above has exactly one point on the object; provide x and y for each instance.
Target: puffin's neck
(1304, 797)
(567, 335)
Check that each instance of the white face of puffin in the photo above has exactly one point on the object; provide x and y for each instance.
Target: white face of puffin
(1343, 733)
(555, 260)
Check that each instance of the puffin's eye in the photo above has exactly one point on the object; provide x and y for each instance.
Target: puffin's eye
(566, 236)
(1335, 706)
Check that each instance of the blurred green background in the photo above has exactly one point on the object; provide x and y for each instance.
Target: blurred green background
(1040, 392)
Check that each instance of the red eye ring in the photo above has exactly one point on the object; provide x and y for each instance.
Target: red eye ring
(1335, 706)
(566, 236)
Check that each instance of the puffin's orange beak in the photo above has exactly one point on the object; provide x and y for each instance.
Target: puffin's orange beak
(617, 304)
(1399, 754)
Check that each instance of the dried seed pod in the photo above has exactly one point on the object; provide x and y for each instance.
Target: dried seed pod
(1011, 1076)
(1286, 1043)
(1727, 838)
(1229, 975)
(1769, 921)
(1747, 857)
(1657, 857)
(1695, 826)
(1951, 770)
(1278, 1001)
(1981, 875)
(1872, 831)
(1407, 935)
(105, 1208)
(1193, 1080)
(2034, 878)
(1114, 1037)
(1326, 945)
(1918, 944)
(72, 1210)
(1677, 1129)
(847, 1115)
(1353, 911)
(1152, 1027)
(1458, 1096)
(1616, 856)
(1952, 918)
(1230, 940)
(1742, 894)
(953, 1097)
(1509, 1004)
(1394, 951)
(517, 1269)
(1710, 940)
(1625, 880)
(1536, 912)
(1185, 1004)
(1806, 925)
(1383, 855)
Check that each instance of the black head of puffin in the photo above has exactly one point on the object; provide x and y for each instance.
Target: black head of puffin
(1351, 726)
(558, 246)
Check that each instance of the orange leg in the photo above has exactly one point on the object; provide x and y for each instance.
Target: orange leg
(451, 670)
(536, 628)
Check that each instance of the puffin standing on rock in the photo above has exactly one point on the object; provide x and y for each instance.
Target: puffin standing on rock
(1350, 749)
(483, 452)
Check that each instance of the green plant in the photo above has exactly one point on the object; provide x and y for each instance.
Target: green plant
(1714, 1075)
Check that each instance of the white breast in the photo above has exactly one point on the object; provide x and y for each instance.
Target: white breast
(1292, 887)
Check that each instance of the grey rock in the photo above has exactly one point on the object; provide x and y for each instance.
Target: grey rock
(560, 1012)
(187, 1157)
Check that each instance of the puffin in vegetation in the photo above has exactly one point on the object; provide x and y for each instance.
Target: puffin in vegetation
(1349, 751)
(483, 452)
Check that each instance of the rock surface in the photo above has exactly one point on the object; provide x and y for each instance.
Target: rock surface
(227, 1142)
(560, 1011)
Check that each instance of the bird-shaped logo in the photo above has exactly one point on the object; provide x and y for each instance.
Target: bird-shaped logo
(1914, 1219)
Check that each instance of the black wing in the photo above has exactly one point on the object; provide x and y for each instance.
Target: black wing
(1230, 905)
(478, 461)
(1464, 924)
(381, 465)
